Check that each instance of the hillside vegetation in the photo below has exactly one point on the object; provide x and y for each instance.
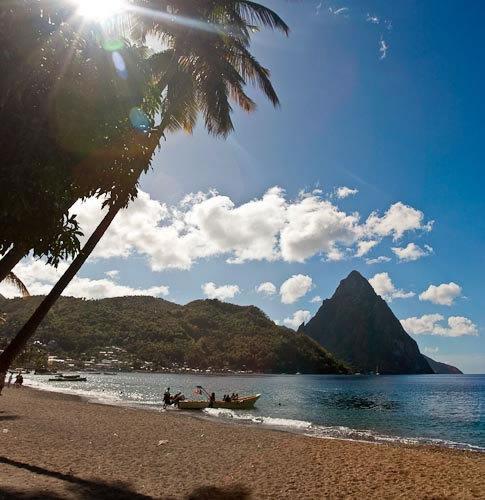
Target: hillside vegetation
(201, 334)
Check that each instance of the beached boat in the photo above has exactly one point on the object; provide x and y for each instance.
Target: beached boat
(242, 403)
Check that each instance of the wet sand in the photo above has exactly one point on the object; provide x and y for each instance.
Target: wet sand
(57, 446)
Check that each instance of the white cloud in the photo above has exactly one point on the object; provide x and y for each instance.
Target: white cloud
(266, 288)
(39, 279)
(396, 221)
(297, 319)
(431, 350)
(344, 192)
(269, 228)
(443, 294)
(384, 287)
(295, 287)
(363, 247)
(383, 48)
(112, 274)
(411, 252)
(316, 226)
(377, 260)
(372, 19)
(316, 300)
(430, 324)
(338, 11)
(223, 292)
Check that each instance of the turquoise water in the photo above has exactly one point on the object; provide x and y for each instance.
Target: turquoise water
(446, 410)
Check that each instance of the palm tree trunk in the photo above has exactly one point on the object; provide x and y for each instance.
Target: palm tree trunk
(10, 260)
(18, 343)
(27, 331)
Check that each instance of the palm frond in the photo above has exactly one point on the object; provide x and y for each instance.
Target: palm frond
(14, 280)
(256, 13)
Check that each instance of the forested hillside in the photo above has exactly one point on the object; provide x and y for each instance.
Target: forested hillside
(202, 334)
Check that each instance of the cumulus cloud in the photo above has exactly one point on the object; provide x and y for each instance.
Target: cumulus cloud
(384, 287)
(377, 260)
(411, 252)
(443, 294)
(268, 228)
(363, 247)
(396, 221)
(39, 279)
(295, 287)
(223, 292)
(432, 324)
(316, 300)
(344, 192)
(316, 226)
(297, 319)
(431, 350)
(266, 288)
(112, 274)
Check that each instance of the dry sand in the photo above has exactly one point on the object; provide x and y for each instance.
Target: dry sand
(56, 446)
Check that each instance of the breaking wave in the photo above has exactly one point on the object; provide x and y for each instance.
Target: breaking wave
(334, 432)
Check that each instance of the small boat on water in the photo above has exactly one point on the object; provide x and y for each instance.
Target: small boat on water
(68, 378)
(241, 403)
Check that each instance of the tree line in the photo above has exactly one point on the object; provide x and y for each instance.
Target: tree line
(202, 334)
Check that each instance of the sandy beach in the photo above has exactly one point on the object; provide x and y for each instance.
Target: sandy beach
(57, 446)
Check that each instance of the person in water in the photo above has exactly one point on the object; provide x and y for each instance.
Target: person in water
(212, 399)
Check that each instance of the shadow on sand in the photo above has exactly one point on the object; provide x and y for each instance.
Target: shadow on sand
(3, 418)
(90, 489)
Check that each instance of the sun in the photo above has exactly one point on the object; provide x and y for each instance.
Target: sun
(99, 10)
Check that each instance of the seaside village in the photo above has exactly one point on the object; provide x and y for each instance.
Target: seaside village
(42, 359)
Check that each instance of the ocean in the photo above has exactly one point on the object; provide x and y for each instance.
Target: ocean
(443, 410)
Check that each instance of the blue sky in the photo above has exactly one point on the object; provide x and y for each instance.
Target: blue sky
(405, 128)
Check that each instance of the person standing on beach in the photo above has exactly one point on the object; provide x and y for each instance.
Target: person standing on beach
(10, 379)
(166, 398)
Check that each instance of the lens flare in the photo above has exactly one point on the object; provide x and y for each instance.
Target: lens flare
(99, 10)
(139, 120)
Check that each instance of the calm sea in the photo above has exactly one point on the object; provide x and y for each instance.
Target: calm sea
(447, 410)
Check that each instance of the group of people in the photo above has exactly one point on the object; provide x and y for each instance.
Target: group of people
(169, 400)
(19, 379)
(233, 397)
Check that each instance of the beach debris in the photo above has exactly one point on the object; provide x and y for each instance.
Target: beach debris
(5, 431)
(162, 441)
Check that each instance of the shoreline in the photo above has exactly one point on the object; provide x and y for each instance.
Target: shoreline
(62, 444)
(304, 428)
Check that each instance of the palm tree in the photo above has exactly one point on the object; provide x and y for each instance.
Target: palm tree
(14, 280)
(205, 65)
